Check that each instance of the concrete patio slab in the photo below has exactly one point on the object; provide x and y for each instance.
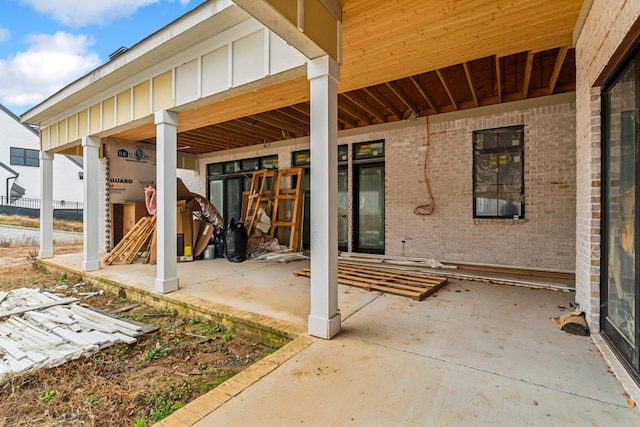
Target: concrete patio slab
(475, 353)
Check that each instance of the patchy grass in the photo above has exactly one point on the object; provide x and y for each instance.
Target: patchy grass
(24, 221)
(122, 385)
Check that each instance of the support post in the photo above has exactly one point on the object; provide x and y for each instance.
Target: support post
(166, 145)
(46, 205)
(91, 164)
(324, 320)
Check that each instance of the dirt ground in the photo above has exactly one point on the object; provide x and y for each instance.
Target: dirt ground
(122, 385)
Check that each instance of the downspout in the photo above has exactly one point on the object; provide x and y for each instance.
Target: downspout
(15, 176)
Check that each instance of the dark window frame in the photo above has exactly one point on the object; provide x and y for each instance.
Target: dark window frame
(24, 157)
(507, 153)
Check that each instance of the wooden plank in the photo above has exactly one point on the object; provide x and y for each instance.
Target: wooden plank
(36, 307)
(414, 285)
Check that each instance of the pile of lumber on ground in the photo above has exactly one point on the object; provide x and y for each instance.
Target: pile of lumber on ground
(416, 285)
(136, 243)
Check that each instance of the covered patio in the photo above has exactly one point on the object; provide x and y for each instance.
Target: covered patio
(481, 351)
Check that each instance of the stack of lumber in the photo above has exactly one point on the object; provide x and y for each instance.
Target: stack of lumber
(136, 242)
(42, 329)
(416, 285)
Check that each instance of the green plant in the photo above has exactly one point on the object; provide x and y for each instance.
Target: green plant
(176, 341)
(159, 351)
(166, 403)
(48, 395)
(92, 399)
(227, 336)
(61, 278)
(141, 422)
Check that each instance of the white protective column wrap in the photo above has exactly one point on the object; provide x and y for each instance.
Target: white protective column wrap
(324, 319)
(166, 156)
(46, 205)
(90, 214)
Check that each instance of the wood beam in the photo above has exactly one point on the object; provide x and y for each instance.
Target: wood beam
(346, 119)
(373, 92)
(446, 88)
(266, 118)
(245, 129)
(395, 88)
(424, 94)
(344, 105)
(562, 53)
(472, 89)
(284, 118)
(528, 66)
(362, 103)
(261, 126)
(498, 78)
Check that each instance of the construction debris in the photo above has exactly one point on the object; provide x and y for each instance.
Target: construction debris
(43, 330)
(137, 242)
(416, 285)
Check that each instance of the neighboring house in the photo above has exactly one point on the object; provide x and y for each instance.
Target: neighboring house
(19, 167)
(519, 117)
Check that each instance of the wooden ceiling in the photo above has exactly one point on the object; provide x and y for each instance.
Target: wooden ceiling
(404, 59)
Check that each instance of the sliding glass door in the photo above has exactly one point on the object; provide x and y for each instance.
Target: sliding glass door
(620, 278)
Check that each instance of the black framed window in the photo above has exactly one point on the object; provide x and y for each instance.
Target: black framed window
(229, 180)
(498, 173)
(24, 157)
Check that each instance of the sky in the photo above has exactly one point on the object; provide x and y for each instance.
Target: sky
(47, 44)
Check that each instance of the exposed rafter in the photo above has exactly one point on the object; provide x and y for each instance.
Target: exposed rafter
(395, 87)
(498, 78)
(562, 53)
(527, 74)
(424, 94)
(446, 88)
(488, 80)
(472, 89)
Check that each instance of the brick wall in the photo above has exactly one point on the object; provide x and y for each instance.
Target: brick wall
(606, 25)
(544, 239)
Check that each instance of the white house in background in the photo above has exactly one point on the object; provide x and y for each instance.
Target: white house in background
(20, 161)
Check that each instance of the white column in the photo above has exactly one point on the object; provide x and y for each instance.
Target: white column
(90, 162)
(46, 205)
(324, 320)
(166, 158)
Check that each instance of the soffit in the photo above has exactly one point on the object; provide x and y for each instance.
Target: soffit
(403, 59)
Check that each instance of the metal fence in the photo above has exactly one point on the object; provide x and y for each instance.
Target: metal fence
(30, 203)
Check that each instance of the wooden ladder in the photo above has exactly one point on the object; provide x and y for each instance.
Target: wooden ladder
(259, 196)
(287, 206)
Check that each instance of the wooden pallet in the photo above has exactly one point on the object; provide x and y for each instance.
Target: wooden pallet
(415, 285)
(137, 241)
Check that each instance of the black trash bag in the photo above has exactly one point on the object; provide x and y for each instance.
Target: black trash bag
(218, 242)
(236, 242)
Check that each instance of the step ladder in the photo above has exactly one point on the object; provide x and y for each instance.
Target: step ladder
(260, 196)
(286, 216)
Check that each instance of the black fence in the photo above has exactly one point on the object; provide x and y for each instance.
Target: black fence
(31, 207)
(30, 203)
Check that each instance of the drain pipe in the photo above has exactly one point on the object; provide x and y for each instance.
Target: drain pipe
(15, 176)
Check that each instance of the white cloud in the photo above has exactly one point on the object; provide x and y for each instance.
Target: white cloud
(78, 13)
(50, 63)
(4, 34)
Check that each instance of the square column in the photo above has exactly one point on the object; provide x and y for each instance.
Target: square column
(324, 320)
(46, 205)
(91, 165)
(166, 146)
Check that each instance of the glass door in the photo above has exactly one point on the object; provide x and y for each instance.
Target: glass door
(620, 279)
(343, 208)
(369, 208)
